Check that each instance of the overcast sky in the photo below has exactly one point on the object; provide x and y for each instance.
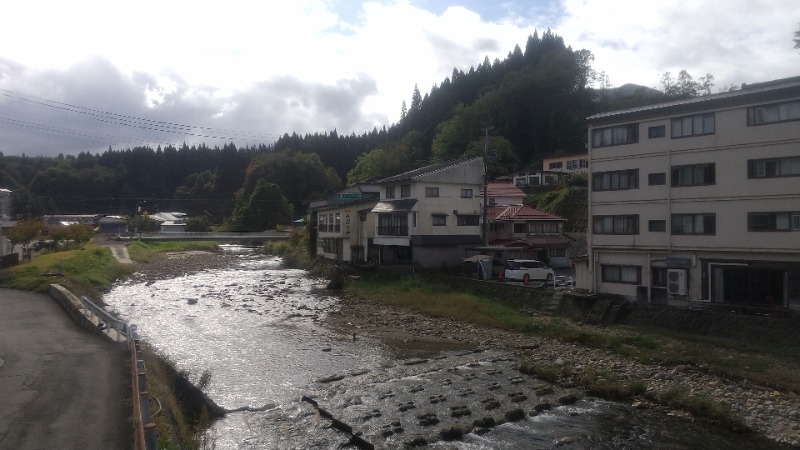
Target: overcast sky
(81, 75)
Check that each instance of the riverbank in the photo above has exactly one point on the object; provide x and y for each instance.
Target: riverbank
(768, 412)
(773, 414)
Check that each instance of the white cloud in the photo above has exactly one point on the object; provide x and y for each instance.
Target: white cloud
(315, 65)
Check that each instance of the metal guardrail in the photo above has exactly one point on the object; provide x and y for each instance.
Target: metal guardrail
(105, 318)
(144, 428)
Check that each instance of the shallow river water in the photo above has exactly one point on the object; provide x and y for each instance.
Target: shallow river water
(259, 330)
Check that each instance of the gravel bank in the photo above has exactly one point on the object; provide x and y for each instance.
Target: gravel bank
(773, 414)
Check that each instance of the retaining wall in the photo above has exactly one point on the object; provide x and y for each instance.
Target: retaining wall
(74, 308)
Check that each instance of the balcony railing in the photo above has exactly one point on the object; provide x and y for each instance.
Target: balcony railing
(393, 230)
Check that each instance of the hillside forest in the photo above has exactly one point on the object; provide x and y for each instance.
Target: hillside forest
(531, 105)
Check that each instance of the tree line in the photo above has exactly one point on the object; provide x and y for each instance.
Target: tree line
(531, 105)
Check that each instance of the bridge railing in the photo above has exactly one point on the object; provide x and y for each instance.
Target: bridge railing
(144, 428)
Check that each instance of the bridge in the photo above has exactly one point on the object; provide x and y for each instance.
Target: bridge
(263, 236)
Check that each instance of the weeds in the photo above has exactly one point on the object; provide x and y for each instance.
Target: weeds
(677, 396)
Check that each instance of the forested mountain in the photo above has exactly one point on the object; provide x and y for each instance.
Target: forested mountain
(530, 105)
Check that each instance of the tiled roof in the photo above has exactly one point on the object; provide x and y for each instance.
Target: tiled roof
(519, 212)
(731, 96)
(497, 189)
(426, 170)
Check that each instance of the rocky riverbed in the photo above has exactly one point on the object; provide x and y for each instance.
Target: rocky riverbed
(775, 415)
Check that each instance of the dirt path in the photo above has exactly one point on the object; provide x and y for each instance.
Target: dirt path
(61, 387)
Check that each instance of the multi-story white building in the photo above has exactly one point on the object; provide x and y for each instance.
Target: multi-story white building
(697, 201)
(344, 223)
(428, 216)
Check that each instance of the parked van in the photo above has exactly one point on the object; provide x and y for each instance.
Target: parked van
(528, 269)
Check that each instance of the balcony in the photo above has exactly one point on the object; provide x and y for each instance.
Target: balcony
(393, 230)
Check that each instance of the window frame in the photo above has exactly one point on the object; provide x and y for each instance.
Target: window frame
(657, 226)
(626, 220)
(753, 166)
(466, 220)
(439, 220)
(656, 132)
(657, 179)
(467, 193)
(607, 272)
(389, 192)
(632, 176)
(753, 113)
(612, 136)
(678, 123)
(678, 219)
(431, 191)
(709, 171)
(772, 221)
(405, 190)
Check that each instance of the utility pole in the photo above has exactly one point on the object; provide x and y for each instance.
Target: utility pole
(485, 227)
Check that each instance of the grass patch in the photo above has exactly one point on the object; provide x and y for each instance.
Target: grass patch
(677, 396)
(142, 251)
(84, 271)
(438, 300)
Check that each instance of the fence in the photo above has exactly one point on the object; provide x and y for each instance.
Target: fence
(144, 428)
(106, 322)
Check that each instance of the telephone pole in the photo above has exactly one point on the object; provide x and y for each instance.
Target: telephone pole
(485, 227)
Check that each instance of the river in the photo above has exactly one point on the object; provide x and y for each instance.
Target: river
(259, 330)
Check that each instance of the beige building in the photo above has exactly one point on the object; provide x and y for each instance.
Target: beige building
(697, 202)
(425, 217)
(428, 216)
(567, 164)
(344, 225)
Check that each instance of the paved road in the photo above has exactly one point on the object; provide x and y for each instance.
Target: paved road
(60, 387)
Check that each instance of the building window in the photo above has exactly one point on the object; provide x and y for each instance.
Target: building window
(389, 191)
(337, 222)
(496, 226)
(693, 175)
(694, 224)
(779, 112)
(658, 277)
(623, 224)
(618, 135)
(773, 221)
(439, 220)
(405, 190)
(555, 165)
(466, 193)
(656, 225)
(616, 180)
(534, 181)
(392, 224)
(520, 182)
(657, 132)
(622, 274)
(323, 223)
(543, 227)
(468, 221)
(558, 253)
(431, 192)
(696, 125)
(773, 167)
(520, 227)
(655, 179)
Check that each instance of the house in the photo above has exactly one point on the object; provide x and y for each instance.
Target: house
(344, 224)
(502, 193)
(112, 225)
(428, 216)
(568, 164)
(527, 178)
(170, 222)
(523, 232)
(696, 202)
(5, 204)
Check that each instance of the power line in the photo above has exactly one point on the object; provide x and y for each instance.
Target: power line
(138, 122)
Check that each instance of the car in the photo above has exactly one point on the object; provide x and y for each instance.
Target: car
(563, 281)
(527, 270)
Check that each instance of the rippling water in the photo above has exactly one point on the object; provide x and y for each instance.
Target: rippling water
(258, 329)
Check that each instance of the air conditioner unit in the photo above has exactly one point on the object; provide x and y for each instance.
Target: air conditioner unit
(676, 281)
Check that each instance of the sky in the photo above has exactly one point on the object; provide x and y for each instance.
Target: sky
(86, 75)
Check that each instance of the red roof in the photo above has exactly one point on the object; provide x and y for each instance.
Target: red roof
(519, 212)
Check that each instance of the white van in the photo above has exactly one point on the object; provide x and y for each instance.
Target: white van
(528, 269)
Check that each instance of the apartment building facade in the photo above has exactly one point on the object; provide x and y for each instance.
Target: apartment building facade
(697, 201)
